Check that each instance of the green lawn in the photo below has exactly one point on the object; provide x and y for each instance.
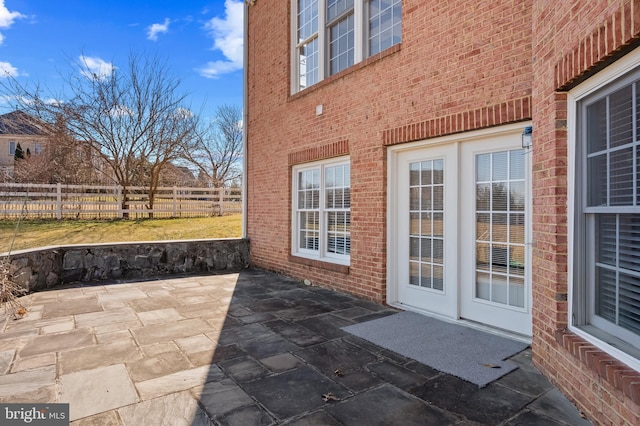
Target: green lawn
(35, 233)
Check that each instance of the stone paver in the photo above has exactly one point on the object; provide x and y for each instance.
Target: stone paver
(102, 355)
(56, 342)
(35, 362)
(179, 381)
(27, 381)
(94, 391)
(177, 409)
(103, 318)
(247, 348)
(159, 316)
(6, 357)
(170, 331)
(81, 305)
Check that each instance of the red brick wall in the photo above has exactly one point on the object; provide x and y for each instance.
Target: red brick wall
(461, 66)
(571, 41)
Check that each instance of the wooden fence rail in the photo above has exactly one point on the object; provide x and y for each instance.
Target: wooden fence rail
(57, 201)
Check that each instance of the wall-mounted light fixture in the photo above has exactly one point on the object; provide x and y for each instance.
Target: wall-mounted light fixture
(527, 137)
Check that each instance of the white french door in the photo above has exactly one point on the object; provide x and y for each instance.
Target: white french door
(426, 249)
(459, 229)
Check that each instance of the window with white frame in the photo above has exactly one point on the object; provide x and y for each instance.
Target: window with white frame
(322, 211)
(606, 273)
(331, 35)
(12, 148)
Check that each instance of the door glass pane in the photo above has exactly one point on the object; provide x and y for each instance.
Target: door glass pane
(500, 228)
(426, 216)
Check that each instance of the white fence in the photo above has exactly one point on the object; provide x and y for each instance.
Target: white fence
(35, 201)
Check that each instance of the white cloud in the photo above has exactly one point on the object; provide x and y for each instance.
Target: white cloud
(94, 67)
(121, 111)
(227, 38)
(7, 70)
(183, 113)
(155, 29)
(7, 18)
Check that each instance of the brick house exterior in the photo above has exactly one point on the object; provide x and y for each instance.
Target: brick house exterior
(450, 101)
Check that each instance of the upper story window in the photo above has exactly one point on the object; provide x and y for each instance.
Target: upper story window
(331, 35)
(37, 148)
(12, 148)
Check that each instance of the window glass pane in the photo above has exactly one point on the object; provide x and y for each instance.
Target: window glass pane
(309, 230)
(622, 177)
(483, 197)
(516, 228)
(414, 224)
(516, 164)
(385, 24)
(483, 167)
(307, 19)
(596, 124)
(414, 174)
(414, 198)
(483, 226)
(426, 224)
(308, 58)
(338, 238)
(606, 293)
(414, 248)
(500, 169)
(629, 312)
(337, 7)
(438, 278)
(597, 180)
(341, 45)
(499, 289)
(621, 116)
(483, 286)
(606, 239)
(426, 198)
(427, 173)
(516, 292)
(426, 275)
(499, 196)
(438, 171)
(12, 148)
(414, 273)
(438, 198)
(516, 196)
(425, 250)
(438, 224)
(629, 242)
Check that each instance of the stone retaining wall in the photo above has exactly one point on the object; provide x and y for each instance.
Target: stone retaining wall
(50, 266)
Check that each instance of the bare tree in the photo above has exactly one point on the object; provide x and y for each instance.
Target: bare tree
(218, 149)
(134, 118)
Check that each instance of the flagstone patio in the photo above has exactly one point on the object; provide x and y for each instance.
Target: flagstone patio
(247, 348)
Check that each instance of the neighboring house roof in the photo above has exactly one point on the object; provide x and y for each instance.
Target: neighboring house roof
(19, 123)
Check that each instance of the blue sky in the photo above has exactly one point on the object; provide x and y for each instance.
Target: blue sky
(201, 41)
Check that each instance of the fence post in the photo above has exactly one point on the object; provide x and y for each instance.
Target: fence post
(221, 189)
(175, 202)
(59, 201)
(119, 198)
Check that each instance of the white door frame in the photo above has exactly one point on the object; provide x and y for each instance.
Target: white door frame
(392, 202)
